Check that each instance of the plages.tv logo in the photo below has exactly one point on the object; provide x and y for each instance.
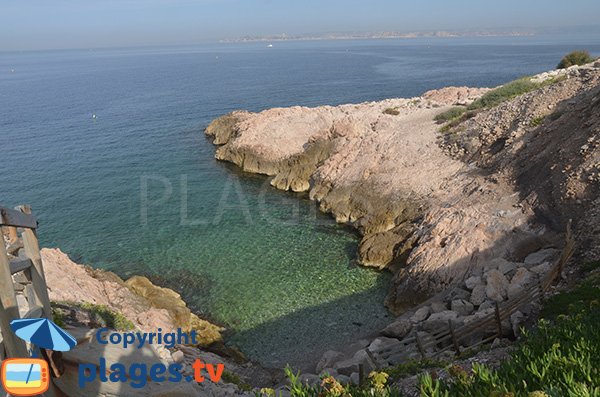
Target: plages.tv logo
(137, 375)
(31, 376)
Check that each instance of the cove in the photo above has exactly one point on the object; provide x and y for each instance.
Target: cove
(264, 263)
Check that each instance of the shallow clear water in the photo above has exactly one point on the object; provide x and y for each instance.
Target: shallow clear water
(137, 191)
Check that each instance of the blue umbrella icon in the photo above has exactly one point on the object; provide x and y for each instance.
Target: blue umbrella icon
(43, 333)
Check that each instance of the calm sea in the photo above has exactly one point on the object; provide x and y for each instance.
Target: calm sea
(135, 189)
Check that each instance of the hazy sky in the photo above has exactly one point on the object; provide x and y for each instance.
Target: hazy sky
(32, 24)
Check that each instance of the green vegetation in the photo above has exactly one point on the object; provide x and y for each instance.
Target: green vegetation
(375, 386)
(450, 114)
(560, 358)
(230, 377)
(412, 367)
(455, 116)
(584, 297)
(575, 58)
(101, 314)
(58, 317)
(455, 122)
(392, 111)
(536, 121)
(505, 92)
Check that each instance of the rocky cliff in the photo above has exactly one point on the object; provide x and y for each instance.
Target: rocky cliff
(434, 207)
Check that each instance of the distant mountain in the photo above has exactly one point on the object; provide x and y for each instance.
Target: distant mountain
(382, 35)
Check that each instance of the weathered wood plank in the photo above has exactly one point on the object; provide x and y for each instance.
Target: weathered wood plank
(18, 265)
(9, 309)
(38, 280)
(10, 217)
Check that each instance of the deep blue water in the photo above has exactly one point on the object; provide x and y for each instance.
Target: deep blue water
(136, 190)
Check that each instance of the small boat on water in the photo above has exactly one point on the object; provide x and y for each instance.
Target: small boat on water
(270, 46)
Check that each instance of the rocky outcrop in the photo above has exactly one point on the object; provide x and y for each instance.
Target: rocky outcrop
(431, 219)
(148, 306)
(547, 144)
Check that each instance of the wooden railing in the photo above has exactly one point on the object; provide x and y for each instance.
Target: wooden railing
(490, 326)
(15, 222)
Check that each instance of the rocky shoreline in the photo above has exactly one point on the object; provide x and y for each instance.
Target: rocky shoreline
(464, 218)
(476, 212)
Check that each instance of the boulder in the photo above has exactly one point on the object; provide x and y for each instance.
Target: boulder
(472, 282)
(458, 293)
(478, 315)
(383, 343)
(329, 372)
(328, 359)
(310, 379)
(506, 267)
(343, 379)
(520, 280)
(496, 264)
(420, 315)
(488, 304)
(462, 307)
(349, 366)
(497, 285)
(437, 321)
(398, 329)
(177, 356)
(541, 256)
(542, 269)
(478, 295)
(438, 307)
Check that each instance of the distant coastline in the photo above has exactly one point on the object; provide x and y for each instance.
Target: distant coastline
(381, 35)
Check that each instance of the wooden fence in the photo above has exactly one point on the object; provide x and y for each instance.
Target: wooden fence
(14, 222)
(489, 327)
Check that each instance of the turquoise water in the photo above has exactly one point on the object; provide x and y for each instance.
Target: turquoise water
(137, 191)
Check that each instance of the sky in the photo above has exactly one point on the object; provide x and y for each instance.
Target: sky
(50, 24)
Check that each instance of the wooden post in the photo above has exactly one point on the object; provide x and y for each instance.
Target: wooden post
(361, 375)
(498, 320)
(9, 310)
(420, 346)
(454, 340)
(38, 280)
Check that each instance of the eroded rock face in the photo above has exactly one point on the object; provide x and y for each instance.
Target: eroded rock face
(148, 306)
(433, 209)
(386, 175)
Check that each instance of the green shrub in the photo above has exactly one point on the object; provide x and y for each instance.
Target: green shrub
(111, 318)
(412, 367)
(560, 358)
(392, 111)
(455, 122)
(503, 93)
(575, 58)
(536, 121)
(450, 114)
(230, 377)
(101, 313)
(375, 386)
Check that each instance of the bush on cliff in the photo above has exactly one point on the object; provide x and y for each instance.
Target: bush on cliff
(450, 114)
(504, 93)
(575, 58)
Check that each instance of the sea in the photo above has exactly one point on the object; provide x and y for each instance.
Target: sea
(108, 148)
